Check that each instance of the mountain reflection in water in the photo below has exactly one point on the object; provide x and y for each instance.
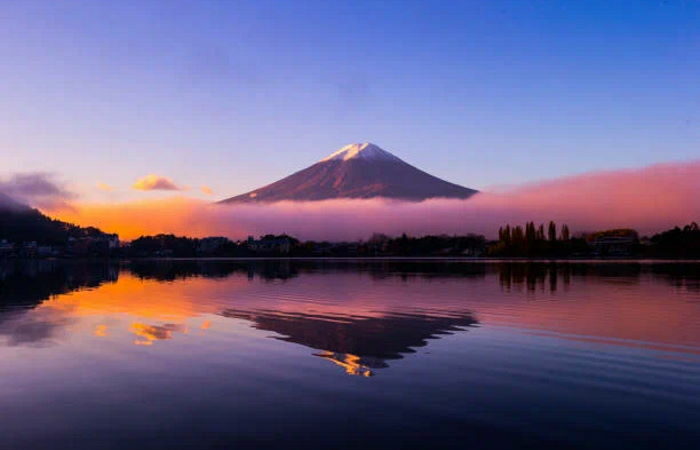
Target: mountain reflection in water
(348, 316)
(223, 354)
(358, 344)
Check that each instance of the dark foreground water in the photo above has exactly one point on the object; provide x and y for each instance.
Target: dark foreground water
(319, 354)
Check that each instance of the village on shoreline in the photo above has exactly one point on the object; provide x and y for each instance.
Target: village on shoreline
(530, 241)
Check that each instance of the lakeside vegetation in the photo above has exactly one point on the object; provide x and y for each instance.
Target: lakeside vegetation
(534, 242)
(166, 245)
(529, 241)
(28, 233)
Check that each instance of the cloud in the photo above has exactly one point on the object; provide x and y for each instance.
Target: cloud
(153, 182)
(648, 199)
(38, 189)
(206, 190)
(38, 329)
(104, 187)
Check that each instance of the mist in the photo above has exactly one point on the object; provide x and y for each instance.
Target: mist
(649, 199)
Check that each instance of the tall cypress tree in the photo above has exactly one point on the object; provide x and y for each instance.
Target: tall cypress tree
(552, 232)
(530, 232)
(565, 236)
(518, 235)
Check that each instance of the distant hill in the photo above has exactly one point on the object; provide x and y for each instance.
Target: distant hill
(8, 203)
(356, 171)
(21, 223)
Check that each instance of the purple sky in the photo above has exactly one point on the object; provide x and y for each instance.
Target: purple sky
(233, 95)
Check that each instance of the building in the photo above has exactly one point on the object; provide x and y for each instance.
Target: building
(270, 244)
(212, 245)
(101, 245)
(615, 245)
(6, 248)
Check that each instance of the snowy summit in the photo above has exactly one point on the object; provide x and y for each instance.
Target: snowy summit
(365, 150)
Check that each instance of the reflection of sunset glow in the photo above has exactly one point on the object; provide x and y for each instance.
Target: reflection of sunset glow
(150, 333)
(351, 363)
(137, 300)
(611, 310)
(142, 298)
(100, 330)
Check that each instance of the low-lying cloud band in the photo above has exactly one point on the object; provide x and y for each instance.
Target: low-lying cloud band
(648, 199)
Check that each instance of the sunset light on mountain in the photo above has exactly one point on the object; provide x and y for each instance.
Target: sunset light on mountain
(376, 224)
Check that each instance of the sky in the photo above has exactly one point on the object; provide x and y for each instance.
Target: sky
(221, 97)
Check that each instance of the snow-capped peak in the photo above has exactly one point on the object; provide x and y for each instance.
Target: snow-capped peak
(366, 151)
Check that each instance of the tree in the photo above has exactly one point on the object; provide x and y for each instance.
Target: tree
(530, 232)
(518, 235)
(565, 235)
(552, 231)
(507, 235)
(677, 242)
(693, 227)
(530, 236)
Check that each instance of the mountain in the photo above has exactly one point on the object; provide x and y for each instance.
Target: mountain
(7, 203)
(21, 223)
(356, 171)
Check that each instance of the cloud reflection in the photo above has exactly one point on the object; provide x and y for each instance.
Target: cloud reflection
(147, 334)
(359, 316)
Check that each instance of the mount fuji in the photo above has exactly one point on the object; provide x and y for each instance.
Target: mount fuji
(357, 171)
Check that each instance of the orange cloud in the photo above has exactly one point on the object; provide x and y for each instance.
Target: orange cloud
(153, 182)
(104, 187)
(206, 190)
(648, 199)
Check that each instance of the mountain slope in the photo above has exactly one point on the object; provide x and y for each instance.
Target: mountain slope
(356, 171)
(7, 203)
(21, 223)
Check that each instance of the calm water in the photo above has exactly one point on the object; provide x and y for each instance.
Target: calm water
(349, 354)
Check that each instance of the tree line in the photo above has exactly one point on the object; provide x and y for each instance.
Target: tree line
(536, 241)
(168, 245)
(676, 242)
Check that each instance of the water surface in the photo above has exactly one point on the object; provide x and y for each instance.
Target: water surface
(349, 354)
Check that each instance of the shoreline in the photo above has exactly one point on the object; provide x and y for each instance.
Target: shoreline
(455, 259)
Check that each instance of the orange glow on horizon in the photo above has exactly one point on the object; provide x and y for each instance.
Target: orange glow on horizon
(650, 199)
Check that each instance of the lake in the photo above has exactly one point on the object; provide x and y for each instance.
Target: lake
(349, 354)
